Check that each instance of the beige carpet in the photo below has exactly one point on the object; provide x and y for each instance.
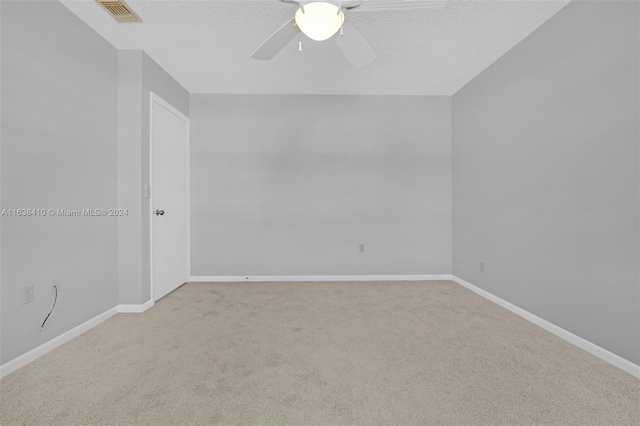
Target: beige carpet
(386, 353)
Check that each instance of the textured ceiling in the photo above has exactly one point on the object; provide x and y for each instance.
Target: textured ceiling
(206, 44)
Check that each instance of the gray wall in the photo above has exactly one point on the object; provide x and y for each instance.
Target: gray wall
(545, 175)
(291, 185)
(139, 75)
(59, 132)
(130, 186)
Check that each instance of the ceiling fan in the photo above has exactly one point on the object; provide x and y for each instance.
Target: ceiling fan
(324, 19)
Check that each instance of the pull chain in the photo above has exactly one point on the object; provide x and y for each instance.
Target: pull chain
(300, 33)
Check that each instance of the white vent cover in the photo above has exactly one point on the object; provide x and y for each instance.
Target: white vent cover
(119, 10)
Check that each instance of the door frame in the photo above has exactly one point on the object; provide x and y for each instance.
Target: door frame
(154, 98)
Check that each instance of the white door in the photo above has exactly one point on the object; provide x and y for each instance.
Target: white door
(170, 264)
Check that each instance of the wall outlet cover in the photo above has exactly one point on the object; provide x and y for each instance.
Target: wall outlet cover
(28, 294)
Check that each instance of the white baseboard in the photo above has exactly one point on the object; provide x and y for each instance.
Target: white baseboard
(236, 278)
(134, 309)
(592, 348)
(35, 353)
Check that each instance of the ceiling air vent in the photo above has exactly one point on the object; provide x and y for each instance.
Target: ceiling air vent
(119, 10)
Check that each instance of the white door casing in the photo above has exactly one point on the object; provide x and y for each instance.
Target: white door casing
(169, 178)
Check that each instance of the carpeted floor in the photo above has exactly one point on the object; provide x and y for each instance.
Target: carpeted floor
(366, 353)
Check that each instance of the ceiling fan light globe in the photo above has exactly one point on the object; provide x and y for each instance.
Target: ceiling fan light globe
(320, 20)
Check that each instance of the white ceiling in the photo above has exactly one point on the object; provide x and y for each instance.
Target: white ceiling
(206, 44)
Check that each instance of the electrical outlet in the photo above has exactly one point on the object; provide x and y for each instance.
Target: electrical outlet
(361, 248)
(482, 267)
(55, 282)
(27, 295)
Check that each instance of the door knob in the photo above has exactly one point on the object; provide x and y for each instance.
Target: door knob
(159, 212)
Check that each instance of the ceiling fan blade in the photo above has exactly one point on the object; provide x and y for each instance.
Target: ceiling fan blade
(372, 5)
(354, 46)
(277, 41)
